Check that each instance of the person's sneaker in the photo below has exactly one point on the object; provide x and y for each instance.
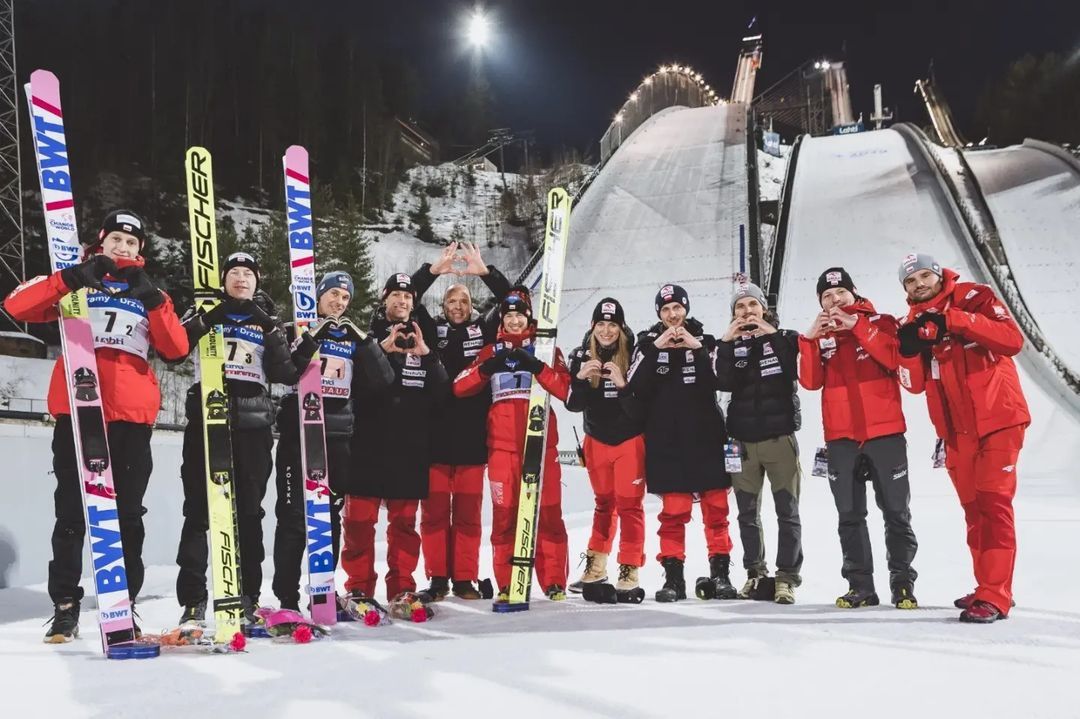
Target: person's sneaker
(64, 623)
(858, 598)
(440, 587)
(292, 604)
(785, 592)
(965, 601)
(555, 593)
(903, 596)
(750, 588)
(251, 605)
(981, 612)
(194, 613)
(595, 570)
(464, 589)
(503, 595)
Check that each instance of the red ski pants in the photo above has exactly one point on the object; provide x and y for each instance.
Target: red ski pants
(617, 475)
(552, 551)
(983, 471)
(675, 513)
(450, 521)
(358, 550)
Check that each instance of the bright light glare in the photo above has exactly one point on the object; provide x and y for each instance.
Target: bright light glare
(478, 30)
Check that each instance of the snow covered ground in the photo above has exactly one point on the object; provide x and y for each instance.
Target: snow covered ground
(690, 658)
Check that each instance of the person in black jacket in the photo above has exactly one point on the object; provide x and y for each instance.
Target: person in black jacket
(450, 517)
(614, 445)
(256, 355)
(390, 445)
(759, 364)
(351, 362)
(684, 438)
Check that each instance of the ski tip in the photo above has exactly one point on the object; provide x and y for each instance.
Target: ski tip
(43, 77)
(45, 88)
(197, 151)
(508, 607)
(296, 153)
(133, 650)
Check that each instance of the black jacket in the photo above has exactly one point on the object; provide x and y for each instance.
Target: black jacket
(391, 444)
(762, 374)
(370, 372)
(684, 427)
(612, 415)
(461, 438)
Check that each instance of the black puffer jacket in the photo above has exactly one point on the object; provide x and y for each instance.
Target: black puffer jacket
(762, 374)
(684, 427)
(612, 415)
(391, 444)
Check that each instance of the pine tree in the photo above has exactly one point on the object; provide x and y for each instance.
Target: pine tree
(421, 217)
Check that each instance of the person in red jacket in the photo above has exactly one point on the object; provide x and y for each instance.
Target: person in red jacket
(852, 354)
(506, 368)
(129, 315)
(957, 345)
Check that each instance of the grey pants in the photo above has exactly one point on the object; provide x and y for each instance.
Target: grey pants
(883, 462)
(779, 459)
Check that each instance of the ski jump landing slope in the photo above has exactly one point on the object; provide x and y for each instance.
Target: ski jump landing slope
(1034, 195)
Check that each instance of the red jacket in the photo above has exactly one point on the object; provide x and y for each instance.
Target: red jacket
(129, 388)
(857, 369)
(510, 393)
(969, 377)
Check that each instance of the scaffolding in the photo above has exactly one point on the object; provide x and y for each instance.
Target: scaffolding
(12, 247)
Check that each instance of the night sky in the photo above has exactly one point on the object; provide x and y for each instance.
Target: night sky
(562, 68)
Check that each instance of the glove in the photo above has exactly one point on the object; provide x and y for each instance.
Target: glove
(141, 288)
(910, 344)
(526, 360)
(322, 330)
(352, 332)
(495, 363)
(88, 274)
(254, 311)
(932, 327)
(216, 315)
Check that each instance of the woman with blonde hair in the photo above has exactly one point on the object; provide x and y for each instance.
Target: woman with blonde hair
(614, 452)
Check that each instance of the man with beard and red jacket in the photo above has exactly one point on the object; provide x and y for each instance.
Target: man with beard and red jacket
(957, 345)
(450, 517)
(505, 370)
(672, 376)
(851, 353)
(126, 326)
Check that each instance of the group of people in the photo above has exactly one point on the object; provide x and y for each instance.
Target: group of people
(418, 409)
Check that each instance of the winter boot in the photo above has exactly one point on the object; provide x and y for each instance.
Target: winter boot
(65, 622)
(784, 592)
(464, 589)
(194, 613)
(981, 612)
(674, 587)
(134, 623)
(903, 596)
(440, 587)
(753, 580)
(858, 598)
(718, 584)
(504, 595)
(595, 570)
(627, 590)
(555, 593)
(965, 601)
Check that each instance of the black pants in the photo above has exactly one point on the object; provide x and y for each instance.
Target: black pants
(290, 536)
(251, 449)
(883, 462)
(129, 451)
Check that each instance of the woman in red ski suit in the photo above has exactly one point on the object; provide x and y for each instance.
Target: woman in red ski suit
(506, 369)
(127, 325)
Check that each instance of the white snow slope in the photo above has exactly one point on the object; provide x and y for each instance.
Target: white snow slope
(691, 658)
(1034, 196)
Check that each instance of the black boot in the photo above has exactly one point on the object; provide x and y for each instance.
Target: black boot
(674, 587)
(65, 622)
(440, 587)
(718, 572)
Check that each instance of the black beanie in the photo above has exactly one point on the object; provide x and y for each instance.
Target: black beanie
(834, 277)
(241, 259)
(399, 281)
(517, 300)
(672, 293)
(122, 221)
(609, 310)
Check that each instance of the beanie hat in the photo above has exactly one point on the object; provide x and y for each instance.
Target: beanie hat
(399, 281)
(609, 310)
(338, 279)
(241, 259)
(834, 277)
(915, 262)
(748, 289)
(672, 293)
(517, 300)
(122, 221)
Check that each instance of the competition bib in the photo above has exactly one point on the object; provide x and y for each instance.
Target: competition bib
(336, 359)
(244, 354)
(119, 323)
(510, 385)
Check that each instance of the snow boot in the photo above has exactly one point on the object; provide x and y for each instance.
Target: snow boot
(194, 613)
(440, 587)
(965, 601)
(903, 596)
(595, 570)
(627, 590)
(718, 584)
(981, 612)
(464, 589)
(65, 622)
(674, 587)
(858, 598)
(784, 592)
